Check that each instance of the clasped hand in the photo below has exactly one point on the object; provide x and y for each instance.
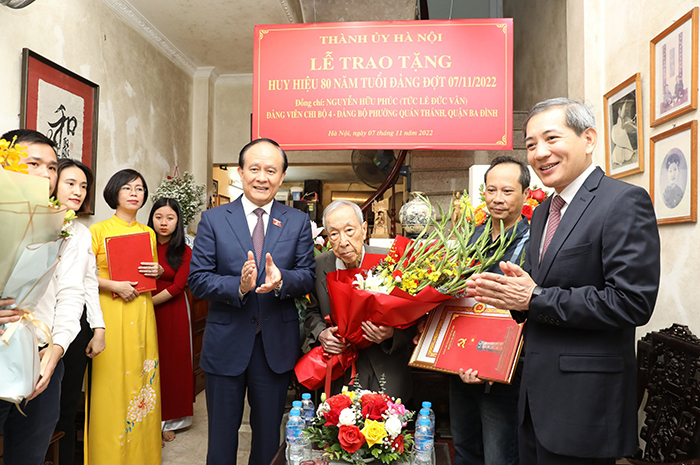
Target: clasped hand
(511, 290)
(249, 275)
(334, 345)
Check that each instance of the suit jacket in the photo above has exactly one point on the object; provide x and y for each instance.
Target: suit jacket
(389, 358)
(220, 249)
(600, 278)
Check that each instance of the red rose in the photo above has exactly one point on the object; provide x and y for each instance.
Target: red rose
(397, 444)
(373, 406)
(351, 438)
(337, 403)
(527, 211)
(538, 194)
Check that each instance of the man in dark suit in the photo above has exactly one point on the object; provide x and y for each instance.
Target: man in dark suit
(390, 351)
(590, 278)
(250, 259)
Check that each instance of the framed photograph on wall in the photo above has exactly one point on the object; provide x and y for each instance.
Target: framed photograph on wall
(214, 197)
(624, 144)
(674, 170)
(674, 69)
(63, 106)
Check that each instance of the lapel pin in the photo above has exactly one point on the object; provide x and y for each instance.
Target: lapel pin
(277, 222)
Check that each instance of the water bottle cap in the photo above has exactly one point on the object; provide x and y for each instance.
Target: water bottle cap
(424, 421)
(424, 411)
(296, 403)
(306, 395)
(295, 412)
(427, 404)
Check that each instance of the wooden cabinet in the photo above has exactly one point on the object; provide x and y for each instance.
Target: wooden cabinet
(198, 316)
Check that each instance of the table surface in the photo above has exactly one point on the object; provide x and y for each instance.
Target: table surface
(442, 455)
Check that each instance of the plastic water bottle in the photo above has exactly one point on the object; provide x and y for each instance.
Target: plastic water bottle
(297, 405)
(425, 413)
(309, 409)
(423, 448)
(295, 438)
(427, 404)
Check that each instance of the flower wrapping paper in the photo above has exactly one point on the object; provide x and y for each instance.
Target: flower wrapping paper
(349, 308)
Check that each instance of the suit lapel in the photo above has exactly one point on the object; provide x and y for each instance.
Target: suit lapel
(239, 224)
(574, 212)
(539, 219)
(275, 227)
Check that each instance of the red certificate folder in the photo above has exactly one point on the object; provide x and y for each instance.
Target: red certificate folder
(124, 256)
(467, 335)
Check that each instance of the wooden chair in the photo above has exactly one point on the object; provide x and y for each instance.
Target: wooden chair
(668, 371)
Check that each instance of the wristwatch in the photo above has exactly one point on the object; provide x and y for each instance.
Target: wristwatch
(536, 291)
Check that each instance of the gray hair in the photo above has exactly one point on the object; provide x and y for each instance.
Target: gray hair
(579, 116)
(336, 204)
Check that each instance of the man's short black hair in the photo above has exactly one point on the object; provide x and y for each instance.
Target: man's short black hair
(64, 163)
(115, 183)
(241, 156)
(524, 178)
(29, 136)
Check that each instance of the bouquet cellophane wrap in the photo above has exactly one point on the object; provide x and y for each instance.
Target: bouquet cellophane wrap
(349, 308)
(29, 252)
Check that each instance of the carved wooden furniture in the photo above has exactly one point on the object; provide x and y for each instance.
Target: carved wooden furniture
(668, 363)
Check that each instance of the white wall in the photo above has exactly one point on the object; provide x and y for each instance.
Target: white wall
(616, 46)
(144, 116)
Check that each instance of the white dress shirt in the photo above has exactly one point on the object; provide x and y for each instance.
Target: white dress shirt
(62, 304)
(250, 216)
(568, 195)
(88, 263)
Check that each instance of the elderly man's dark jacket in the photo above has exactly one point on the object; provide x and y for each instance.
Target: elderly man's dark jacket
(389, 358)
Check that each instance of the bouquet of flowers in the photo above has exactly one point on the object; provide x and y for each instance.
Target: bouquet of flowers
(359, 424)
(398, 289)
(31, 231)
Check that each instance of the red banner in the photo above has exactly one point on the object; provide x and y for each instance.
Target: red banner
(445, 85)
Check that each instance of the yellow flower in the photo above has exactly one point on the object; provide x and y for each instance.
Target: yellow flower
(10, 156)
(70, 216)
(346, 392)
(373, 431)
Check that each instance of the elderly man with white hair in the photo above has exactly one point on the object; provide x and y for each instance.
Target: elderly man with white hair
(391, 348)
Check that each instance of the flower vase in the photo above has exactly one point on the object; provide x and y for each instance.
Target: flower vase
(414, 216)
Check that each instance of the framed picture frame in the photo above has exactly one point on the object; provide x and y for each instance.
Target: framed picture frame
(624, 142)
(63, 106)
(674, 69)
(492, 345)
(224, 199)
(214, 197)
(673, 179)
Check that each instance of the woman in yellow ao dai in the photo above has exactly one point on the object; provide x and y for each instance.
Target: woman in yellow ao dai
(123, 425)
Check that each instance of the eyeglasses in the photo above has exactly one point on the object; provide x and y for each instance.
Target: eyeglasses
(137, 189)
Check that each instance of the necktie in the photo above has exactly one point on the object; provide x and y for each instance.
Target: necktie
(258, 241)
(554, 219)
(259, 235)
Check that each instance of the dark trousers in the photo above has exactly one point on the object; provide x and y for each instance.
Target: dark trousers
(26, 439)
(75, 362)
(484, 424)
(532, 452)
(267, 394)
